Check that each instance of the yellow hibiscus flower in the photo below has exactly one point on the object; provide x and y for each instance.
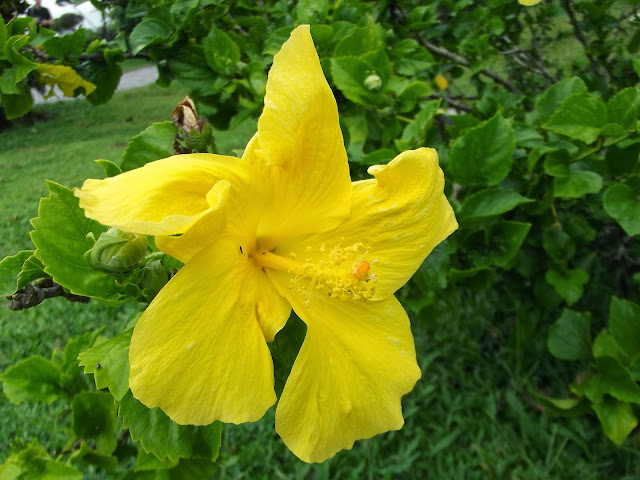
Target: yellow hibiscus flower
(281, 228)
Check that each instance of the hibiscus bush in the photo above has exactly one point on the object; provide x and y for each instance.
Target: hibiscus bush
(533, 112)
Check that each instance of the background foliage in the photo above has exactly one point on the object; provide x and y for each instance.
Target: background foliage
(526, 320)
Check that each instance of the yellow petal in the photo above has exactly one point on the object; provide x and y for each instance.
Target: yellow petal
(164, 197)
(198, 351)
(396, 220)
(357, 361)
(529, 3)
(301, 142)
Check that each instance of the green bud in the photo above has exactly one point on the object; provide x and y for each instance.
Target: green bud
(152, 278)
(117, 252)
(373, 82)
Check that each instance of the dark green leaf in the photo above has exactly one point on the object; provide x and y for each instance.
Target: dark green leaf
(35, 379)
(617, 419)
(581, 117)
(577, 184)
(490, 202)
(154, 143)
(159, 435)
(622, 203)
(483, 155)
(414, 134)
(624, 324)
(623, 108)
(66, 45)
(613, 378)
(560, 246)
(94, 417)
(605, 346)
(60, 237)
(109, 463)
(148, 32)
(568, 283)
(570, 336)
(221, 51)
(109, 363)
(104, 75)
(311, 11)
(551, 100)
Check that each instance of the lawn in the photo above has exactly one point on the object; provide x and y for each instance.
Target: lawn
(472, 415)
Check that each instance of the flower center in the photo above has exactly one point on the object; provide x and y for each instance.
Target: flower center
(341, 272)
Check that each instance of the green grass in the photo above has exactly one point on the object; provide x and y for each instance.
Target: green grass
(471, 416)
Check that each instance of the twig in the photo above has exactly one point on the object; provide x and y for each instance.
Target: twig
(526, 59)
(595, 65)
(36, 292)
(451, 101)
(443, 52)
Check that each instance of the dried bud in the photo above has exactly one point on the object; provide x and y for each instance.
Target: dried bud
(373, 82)
(117, 252)
(194, 135)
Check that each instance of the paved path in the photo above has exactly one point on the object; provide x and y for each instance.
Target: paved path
(135, 78)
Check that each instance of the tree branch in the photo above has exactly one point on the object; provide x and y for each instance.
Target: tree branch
(443, 52)
(598, 70)
(36, 292)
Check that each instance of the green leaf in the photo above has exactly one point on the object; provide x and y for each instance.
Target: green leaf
(221, 51)
(69, 366)
(617, 419)
(154, 143)
(570, 336)
(104, 75)
(148, 32)
(147, 461)
(109, 363)
(431, 277)
(60, 237)
(613, 378)
(567, 407)
(159, 435)
(622, 203)
(10, 267)
(490, 202)
(409, 96)
(33, 269)
(624, 324)
(577, 183)
(85, 454)
(34, 463)
(16, 106)
(581, 117)
(500, 243)
(35, 379)
(94, 417)
(605, 346)
(483, 155)
(414, 134)
(623, 107)
(568, 283)
(62, 46)
(312, 11)
(560, 246)
(110, 168)
(349, 74)
(360, 41)
(551, 100)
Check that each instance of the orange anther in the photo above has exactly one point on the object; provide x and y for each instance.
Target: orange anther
(361, 270)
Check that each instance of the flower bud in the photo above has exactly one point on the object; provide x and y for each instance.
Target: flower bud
(441, 82)
(117, 252)
(152, 278)
(373, 82)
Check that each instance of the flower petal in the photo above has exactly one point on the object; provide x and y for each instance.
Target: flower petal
(300, 140)
(397, 219)
(198, 351)
(164, 197)
(356, 362)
